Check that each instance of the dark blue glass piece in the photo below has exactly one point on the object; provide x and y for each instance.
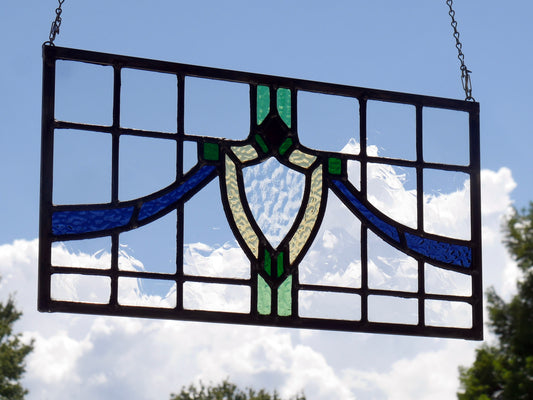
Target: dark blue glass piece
(384, 227)
(152, 207)
(440, 251)
(85, 221)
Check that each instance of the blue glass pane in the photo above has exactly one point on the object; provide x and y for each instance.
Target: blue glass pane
(440, 251)
(73, 222)
(384, 227)
(154, 206)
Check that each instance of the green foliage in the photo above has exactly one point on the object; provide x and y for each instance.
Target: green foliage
(505, 371)
(12, 354)
(225, 391)
(485, 376)
(519, 237)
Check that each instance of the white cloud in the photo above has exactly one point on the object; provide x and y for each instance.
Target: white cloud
(500, 270)
(222, 262)
(430, 375)
(90, 357)
(54, 359)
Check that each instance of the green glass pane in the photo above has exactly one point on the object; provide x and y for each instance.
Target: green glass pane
(280, 264)
(334, 166)
(261, 143)
(263, 103)
(284, 297)
(268, 263)
(284, 105)
(287, 143)
(264, 296)
(211, 151)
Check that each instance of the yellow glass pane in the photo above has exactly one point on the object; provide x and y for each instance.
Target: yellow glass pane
(235, 203)
(244, 153)
(303, 232)
(301, 159)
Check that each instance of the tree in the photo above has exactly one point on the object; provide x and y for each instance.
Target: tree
(12, 353)
(225, 391)
(505, 370)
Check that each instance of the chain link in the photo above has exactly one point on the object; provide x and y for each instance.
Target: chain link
(54, 29)
(465, 72)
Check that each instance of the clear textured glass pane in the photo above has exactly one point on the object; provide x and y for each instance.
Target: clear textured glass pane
(216, 297)
(354, 173)
(392, 190)
(207, 102)
(329, 305)
(389, 268)
(82, 167)
(446, 136)
(447, 203)
(146, 165)
(84, 93)
(146, 292)
(334, 258)
(391, 128)
(392, 310)
(327, 122)
(207, 226)
(448, 313)
(81, 288)
(226, 261)
(149, 100)
(190, 155)
(442, 281)
(151, 247)
(87, 253)
(274, 194)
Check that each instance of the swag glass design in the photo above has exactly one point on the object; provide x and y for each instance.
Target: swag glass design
(273, 289)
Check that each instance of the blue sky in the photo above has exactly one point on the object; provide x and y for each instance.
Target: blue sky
(401, 46)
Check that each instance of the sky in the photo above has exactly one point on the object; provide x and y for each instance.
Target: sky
(400, 46)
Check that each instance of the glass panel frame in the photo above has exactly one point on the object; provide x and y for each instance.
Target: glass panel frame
(273, 283)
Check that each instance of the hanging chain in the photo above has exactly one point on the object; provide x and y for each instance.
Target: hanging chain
(54, 29)
(465, 72)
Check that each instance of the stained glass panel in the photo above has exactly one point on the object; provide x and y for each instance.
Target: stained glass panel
(349, 230)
